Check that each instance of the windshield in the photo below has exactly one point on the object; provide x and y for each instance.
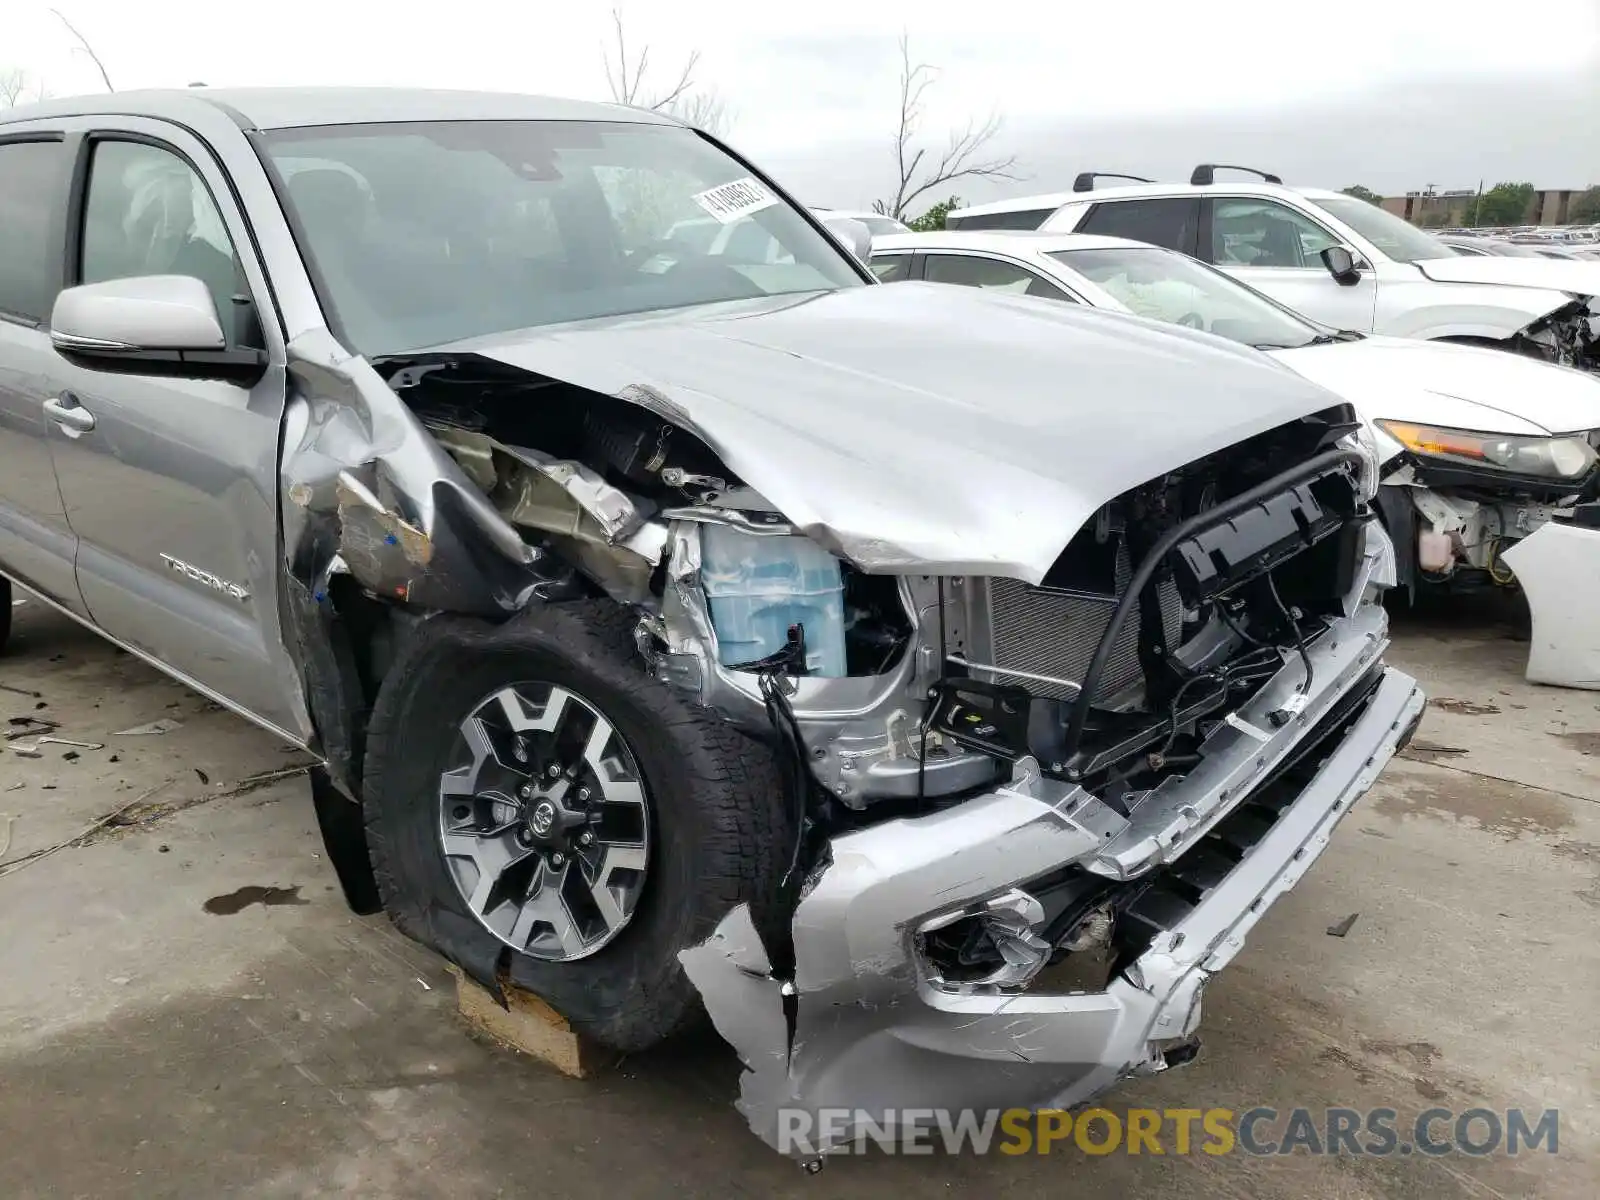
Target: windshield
(422, 234)
(1397, 238)
(1167, 286)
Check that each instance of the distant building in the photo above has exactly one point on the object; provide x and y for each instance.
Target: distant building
(1452, 206)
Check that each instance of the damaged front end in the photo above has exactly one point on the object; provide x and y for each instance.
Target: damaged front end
(1035, 808)
(1569, 336)
(1055, 810)
(889, 1010)
(1455, 500)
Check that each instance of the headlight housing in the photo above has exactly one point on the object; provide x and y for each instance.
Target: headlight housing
(1363, 441)
(1570, 457)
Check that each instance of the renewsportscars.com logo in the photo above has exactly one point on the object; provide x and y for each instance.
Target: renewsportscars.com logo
(1373, 1132)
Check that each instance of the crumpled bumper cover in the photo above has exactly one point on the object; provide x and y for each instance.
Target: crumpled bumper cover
(862, 1028)
(1558, 568)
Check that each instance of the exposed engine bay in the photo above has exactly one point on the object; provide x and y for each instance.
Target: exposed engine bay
(1156, 616)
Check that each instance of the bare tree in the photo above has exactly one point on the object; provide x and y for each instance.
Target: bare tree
(15, 84)
(628, 76)
(964, 155)
(105, 76)
(703, 108)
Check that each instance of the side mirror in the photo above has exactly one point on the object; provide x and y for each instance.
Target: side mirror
(1342, 265)
(853, 234)
(151, 324)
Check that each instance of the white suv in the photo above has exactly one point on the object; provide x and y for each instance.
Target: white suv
(1336, 258)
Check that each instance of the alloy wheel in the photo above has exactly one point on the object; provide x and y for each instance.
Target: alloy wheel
(546, 830)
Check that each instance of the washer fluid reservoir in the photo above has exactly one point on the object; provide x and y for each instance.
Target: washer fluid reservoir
(757, 587)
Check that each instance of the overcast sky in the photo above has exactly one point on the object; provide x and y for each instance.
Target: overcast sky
(1379, 92)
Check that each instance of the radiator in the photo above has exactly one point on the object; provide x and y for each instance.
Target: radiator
(1023, 628)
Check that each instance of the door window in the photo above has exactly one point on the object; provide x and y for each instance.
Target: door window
(30, 195)
(1017, 218)
(891, 268)
(991, 274)
(1264, 233)
(148, 213)
(1172, 221)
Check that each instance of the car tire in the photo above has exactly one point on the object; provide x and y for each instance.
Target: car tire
(718, 827)
(5, 612)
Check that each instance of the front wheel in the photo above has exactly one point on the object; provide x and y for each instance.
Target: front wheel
(536, 802)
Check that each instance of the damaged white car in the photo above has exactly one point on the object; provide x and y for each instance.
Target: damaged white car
(1480, 449)
(682, 630)
(1336, 258)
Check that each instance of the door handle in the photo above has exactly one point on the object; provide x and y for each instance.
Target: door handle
(65, 411)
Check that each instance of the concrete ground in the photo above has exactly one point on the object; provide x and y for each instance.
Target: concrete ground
(188, 1009)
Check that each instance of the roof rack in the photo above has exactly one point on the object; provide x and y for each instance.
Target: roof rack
(1206, 173)
(1085, 181)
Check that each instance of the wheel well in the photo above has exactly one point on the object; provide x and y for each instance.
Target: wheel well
(369, 627)
(341, 638)
(351, 639)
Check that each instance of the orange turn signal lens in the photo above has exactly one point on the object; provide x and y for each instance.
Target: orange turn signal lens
(1424, 439)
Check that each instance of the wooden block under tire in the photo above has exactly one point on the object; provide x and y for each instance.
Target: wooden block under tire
(530, 1025)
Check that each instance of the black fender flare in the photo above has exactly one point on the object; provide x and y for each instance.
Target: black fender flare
(1400, 523)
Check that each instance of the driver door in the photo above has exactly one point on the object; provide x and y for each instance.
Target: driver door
(1275, 249)
(170, 483)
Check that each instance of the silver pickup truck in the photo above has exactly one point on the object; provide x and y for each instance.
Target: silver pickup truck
(933, 686)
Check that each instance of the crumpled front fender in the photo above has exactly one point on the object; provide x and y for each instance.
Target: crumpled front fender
(363, 480)
(368, 495)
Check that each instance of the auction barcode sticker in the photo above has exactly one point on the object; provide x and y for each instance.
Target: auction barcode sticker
(727, 202)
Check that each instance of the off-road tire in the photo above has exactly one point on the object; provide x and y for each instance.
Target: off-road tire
(721, 828)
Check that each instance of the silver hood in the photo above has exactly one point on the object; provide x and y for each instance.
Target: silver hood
(914, 426)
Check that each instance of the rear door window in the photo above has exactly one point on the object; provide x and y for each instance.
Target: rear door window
(891, 268)
(990, 274)
(1170, 221)
(1022, 218)
(32, 191)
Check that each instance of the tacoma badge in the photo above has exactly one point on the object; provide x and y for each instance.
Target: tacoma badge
(215, 583)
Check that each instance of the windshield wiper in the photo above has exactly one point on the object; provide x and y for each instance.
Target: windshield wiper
(1343, 335)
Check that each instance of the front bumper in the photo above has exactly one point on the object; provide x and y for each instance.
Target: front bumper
(863, 1027)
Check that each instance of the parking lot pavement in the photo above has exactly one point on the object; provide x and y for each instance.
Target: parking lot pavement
(187, 1008)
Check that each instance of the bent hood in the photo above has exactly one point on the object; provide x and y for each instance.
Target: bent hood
(917, 426)
(1464, 387)
(1558, 275)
